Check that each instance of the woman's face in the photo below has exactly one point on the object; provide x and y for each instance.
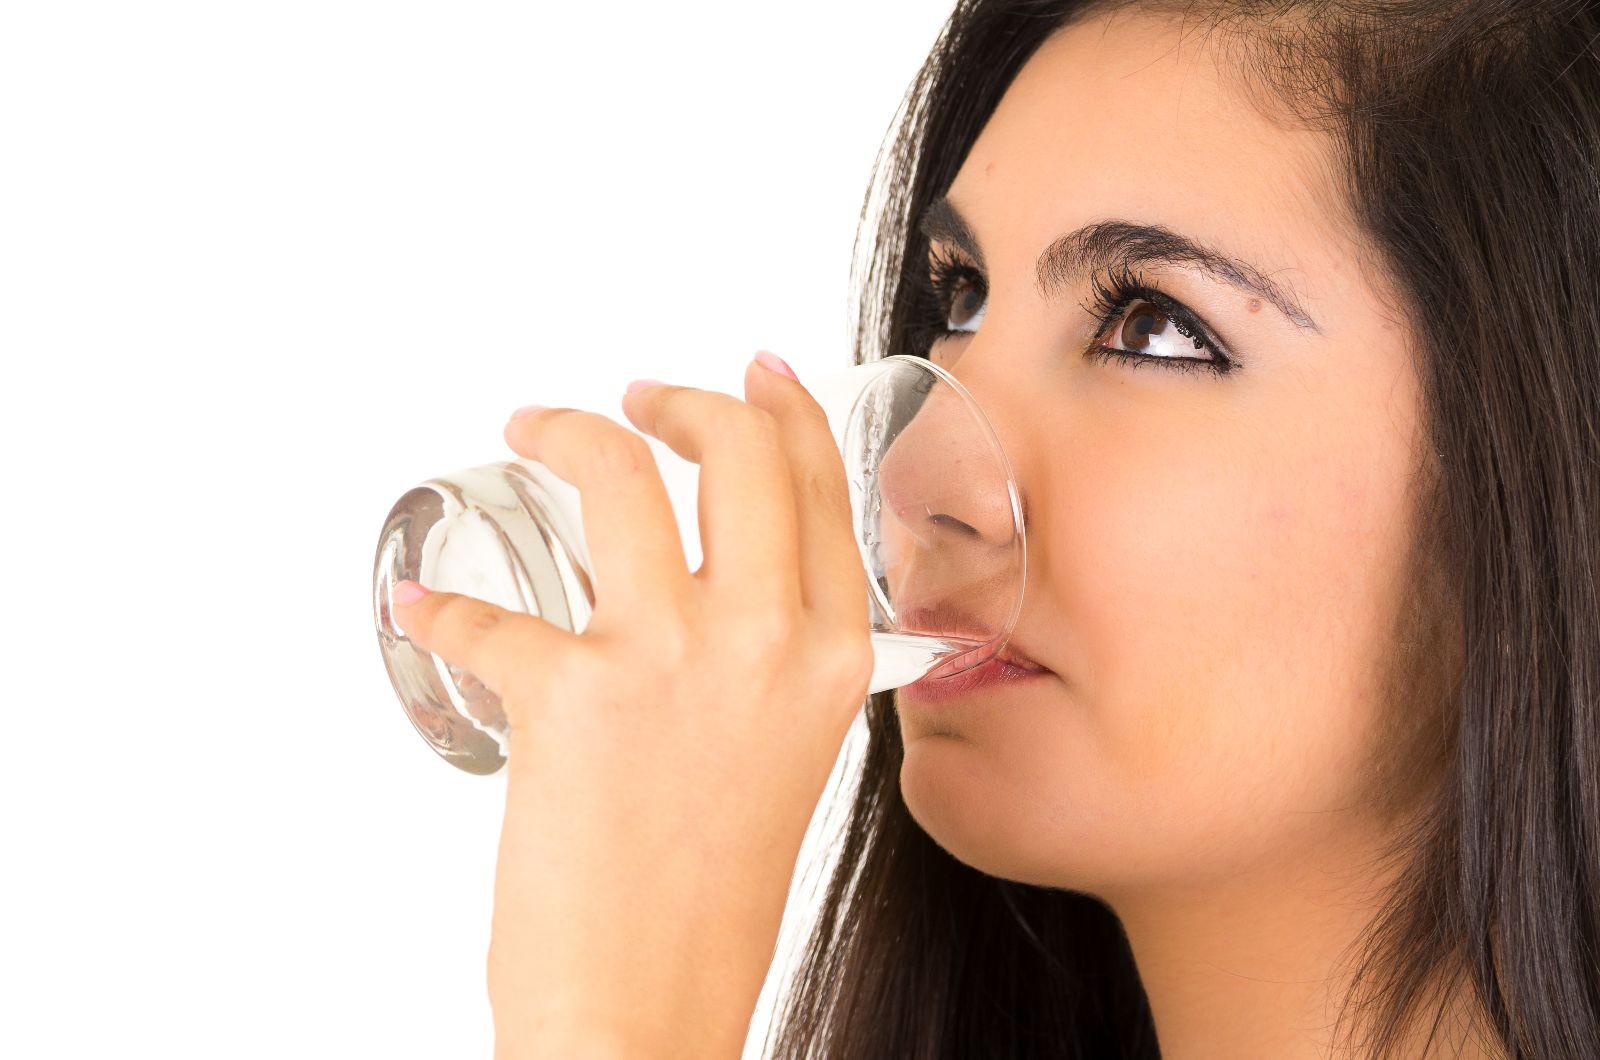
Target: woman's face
(1215, 560)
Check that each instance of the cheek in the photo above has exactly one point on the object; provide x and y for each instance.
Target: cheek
(1218, 583)
(1225, 600)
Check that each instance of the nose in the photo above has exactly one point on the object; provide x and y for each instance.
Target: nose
(940, 476)
(950, 523)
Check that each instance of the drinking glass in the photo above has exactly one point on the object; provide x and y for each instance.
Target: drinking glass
(933, 503)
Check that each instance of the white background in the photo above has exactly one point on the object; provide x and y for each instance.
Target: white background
(262, 268)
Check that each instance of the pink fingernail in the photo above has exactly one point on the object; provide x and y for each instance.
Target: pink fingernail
(524, 410)
(640, 384)
(773, 362)
(407, 592)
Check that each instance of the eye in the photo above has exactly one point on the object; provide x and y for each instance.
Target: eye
(968, 301)
(957, 294)
(1148, 326)
(1149, 331)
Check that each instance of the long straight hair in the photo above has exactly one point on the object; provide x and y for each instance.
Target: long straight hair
(1469, 137)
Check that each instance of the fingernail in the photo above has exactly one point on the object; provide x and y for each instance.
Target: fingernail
(773, 362)
(524, 410)
(640, 384)
(407, 592)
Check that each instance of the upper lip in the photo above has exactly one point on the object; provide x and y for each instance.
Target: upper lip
(1019, 660)
(946, 618)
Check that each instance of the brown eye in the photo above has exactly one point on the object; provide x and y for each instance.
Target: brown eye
(967, 304)
(1141, 322)
(1155, 322)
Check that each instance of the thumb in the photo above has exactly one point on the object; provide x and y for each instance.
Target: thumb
(503, 649)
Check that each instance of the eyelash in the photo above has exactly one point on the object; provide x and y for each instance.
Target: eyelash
(1120, 288)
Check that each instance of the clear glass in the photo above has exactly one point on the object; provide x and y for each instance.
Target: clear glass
(932, 497)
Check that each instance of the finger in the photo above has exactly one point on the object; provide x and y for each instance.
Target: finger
(498, 647)
(628, 522)
(748, 531)
(833, 577)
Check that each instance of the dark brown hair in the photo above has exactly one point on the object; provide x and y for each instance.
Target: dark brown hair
(1469, 135)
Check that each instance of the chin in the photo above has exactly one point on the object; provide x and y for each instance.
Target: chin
(1003, 825)
(970, 814)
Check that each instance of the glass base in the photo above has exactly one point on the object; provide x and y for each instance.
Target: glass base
(510, 544)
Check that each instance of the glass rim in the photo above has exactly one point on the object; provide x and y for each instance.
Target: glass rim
(943, 374)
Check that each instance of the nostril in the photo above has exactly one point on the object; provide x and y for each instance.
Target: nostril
(954, 523)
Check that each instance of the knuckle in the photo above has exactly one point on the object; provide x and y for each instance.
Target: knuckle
(577, 667)
(474, 620)
(762, 420)
(584, 664)
(661, 643)
(814, 418)
(619, 453)
(673, 641)
(765, 637)
(750, 422)
(824, 490)
(849, 659)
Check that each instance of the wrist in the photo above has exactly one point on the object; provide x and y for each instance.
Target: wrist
(524, 1036)
(659, 989)
(577, 1043)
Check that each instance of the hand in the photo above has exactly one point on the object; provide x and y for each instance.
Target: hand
(664, 764)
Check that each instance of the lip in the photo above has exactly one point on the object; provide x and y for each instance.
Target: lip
(945, 619)
(995, 672)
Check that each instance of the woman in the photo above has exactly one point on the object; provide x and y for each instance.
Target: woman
(1286, 315)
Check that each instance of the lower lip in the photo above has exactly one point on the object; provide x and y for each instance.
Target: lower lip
(991, 674)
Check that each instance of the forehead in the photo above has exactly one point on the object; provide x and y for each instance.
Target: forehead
(1137, 116)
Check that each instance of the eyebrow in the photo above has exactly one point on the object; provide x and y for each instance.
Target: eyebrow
(1103, 244)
